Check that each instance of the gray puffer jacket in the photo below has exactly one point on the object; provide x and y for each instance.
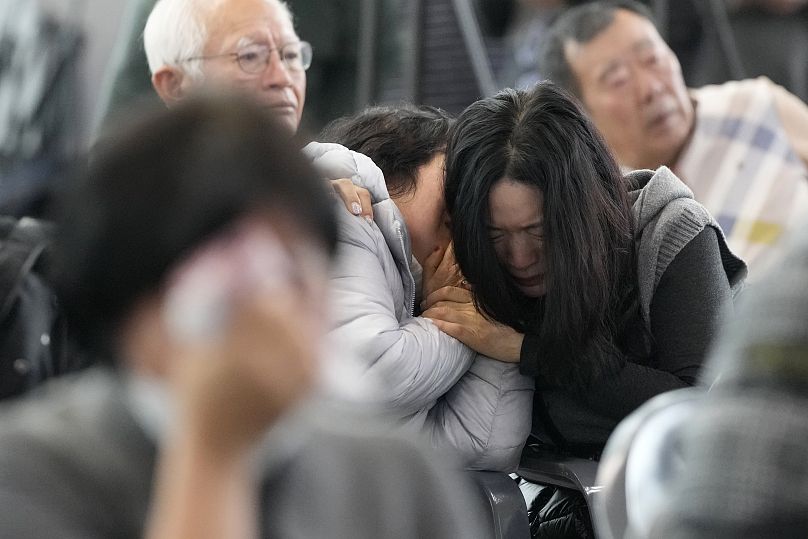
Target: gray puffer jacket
(474, 406)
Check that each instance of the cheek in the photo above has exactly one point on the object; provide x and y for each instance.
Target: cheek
(300, 90)
(501, 251)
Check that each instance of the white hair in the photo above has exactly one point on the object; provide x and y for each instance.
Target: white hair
(175, 31)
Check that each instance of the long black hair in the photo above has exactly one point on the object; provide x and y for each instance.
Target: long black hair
(542, 138)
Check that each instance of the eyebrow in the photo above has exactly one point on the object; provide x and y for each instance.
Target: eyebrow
(248, 40)
(610, 68)
(642, 45)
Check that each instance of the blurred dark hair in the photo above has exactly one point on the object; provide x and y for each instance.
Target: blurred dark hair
(580, 24)
(156, 190)
(398, 139)
(542, 138)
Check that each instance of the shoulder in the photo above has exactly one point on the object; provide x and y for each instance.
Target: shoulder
(358, 456)
(334, 161)
(71, 454)
(735, 93)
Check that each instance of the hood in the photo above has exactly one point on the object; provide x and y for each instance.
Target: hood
(650, 191)
(334, 161)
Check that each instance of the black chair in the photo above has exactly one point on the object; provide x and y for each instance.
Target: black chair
(503, 503)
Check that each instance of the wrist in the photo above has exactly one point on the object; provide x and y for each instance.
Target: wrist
(513, 348)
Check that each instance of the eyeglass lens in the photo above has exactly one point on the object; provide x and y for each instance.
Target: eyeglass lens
(295, 56)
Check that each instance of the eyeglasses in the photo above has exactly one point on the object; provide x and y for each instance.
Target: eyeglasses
(254, 59)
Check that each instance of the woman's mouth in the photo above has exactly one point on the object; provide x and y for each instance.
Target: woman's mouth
(528, 282)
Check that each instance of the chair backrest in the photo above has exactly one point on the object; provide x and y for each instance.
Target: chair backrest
(639, 464)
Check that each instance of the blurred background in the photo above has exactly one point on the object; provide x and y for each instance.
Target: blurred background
(445, 53)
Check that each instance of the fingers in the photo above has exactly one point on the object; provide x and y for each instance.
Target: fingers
(432, 262)
(448, 293)
(366, 203)
(448, 260)
(452, 329)
(449, 311)
(345, 189)
(356, 199)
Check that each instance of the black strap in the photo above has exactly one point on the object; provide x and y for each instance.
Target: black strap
(21, 246)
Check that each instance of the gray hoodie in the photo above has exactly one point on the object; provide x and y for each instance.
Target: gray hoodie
(667, 218)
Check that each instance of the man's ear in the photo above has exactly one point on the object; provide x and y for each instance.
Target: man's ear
(170, 84)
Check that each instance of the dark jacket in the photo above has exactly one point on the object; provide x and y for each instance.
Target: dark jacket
(75, 463)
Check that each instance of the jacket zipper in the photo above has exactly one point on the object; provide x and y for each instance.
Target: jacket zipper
(409, 273)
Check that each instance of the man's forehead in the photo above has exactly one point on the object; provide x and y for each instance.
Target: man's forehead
(628, 33)
(228, 16)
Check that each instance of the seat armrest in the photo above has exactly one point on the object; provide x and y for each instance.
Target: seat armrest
(504, 503)
(549, 468)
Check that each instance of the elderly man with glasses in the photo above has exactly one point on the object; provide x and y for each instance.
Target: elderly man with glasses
(247, 44)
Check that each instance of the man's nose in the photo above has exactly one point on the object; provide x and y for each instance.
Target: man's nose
(276, 74)
(647, 84)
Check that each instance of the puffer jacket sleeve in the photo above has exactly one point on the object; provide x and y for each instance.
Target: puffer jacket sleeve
(415, 360)
(486, 416)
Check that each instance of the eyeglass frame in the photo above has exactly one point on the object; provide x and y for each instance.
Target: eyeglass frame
(236, 55)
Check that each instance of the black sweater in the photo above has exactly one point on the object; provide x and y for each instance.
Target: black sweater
(687, 304)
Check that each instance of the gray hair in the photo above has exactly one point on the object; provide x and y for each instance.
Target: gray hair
(175, 31)
(579, 24)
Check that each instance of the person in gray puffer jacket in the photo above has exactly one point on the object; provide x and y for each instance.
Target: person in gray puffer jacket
(466, 403)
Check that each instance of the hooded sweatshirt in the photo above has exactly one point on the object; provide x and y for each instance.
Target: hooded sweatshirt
(687, 278)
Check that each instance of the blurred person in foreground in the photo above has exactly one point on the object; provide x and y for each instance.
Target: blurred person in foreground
(741, 147)
(745, 470)
(215, 416)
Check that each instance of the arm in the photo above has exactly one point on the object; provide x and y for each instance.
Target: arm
(687, 307)
(416, 360)
(485, 417)
(689, 301)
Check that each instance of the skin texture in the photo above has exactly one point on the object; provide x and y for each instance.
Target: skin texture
(631, 84)
(452, 309)
(424, 211)
(232, 25)
(517, 234)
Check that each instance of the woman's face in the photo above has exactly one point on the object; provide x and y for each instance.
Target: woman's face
(424, 210)
(517, 234)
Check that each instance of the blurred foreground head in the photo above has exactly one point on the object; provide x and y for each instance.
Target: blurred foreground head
(173, 181)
